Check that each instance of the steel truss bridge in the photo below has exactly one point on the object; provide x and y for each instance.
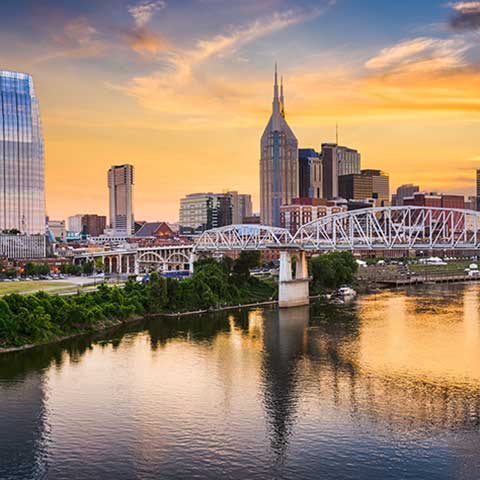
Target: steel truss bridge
(384, 228)
(371, 229)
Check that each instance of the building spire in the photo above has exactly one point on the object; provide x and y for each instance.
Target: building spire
(276, 107)
(282, 99)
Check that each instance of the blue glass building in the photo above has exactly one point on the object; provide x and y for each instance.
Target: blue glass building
(22, 184)
(278, 162)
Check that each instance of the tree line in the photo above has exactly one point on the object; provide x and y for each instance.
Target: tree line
(41, 317)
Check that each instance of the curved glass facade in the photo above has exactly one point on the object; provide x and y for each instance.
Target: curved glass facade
(22, 190)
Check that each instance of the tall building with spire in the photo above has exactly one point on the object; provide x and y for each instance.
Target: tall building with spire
(278, 161)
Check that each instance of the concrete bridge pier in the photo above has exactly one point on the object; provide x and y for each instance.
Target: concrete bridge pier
(293, 284)
(193, 258)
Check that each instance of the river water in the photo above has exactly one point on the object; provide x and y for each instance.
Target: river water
(385, 388)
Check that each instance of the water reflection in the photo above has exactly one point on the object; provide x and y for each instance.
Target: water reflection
(386, 388)
(285, 338)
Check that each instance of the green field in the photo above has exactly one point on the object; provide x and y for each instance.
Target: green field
(26, 287)
(449, 267)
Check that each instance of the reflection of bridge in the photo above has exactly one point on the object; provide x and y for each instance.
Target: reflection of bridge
(403, 228)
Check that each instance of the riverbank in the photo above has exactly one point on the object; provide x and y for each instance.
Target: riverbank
(112, 324)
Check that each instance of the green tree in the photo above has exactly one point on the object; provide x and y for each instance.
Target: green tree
(99, 265)
(87, 268)
(156, 292)
(43, 268)
(331, 270)
(247, 260)
(10, 273)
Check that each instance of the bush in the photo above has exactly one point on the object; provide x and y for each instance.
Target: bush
(331, 270)
(40, 316)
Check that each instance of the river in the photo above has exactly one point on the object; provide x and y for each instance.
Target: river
(385, 388)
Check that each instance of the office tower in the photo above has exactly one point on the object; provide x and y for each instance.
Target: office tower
(57, 229)
(203, 211)
(120, 184)
(337, 161)
(404, 191)
(330, 170)
(355, 186)
(241, 206)
(22, 189)
(87, 224)
(194, 211)
(74, 223)
(310, 184)
(278, 162)
(380, 186)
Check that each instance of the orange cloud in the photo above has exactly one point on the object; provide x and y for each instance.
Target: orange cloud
(143, 41)
(79, 39)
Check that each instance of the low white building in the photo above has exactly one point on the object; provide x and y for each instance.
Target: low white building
(16, 247)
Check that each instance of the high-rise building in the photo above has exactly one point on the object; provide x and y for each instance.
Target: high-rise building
(355, 186)
(241, 206)
(87, 224)
(337, 161)
(278, 162)
(120, 184)
(404, 191)
(309, 174)
(380, 186)
(202, 211)
(57, 229)
(22, 189)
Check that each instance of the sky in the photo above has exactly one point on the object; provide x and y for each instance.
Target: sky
(182, 90)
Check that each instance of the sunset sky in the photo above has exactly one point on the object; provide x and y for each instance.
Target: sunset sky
(182, 89)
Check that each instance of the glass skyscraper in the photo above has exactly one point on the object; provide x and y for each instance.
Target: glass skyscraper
(278, 162)
(22, 185)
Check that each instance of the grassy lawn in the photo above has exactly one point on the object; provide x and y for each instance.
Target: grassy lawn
(449, 267)
(26, 287)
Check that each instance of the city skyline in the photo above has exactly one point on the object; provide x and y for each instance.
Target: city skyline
(132, 86)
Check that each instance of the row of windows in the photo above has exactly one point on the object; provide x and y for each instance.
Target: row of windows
(22, 203)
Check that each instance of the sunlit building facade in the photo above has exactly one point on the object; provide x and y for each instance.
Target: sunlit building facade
(22, 184)
(278, 162)
(120, 185)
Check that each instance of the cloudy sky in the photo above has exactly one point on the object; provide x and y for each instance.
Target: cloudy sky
(182, 90)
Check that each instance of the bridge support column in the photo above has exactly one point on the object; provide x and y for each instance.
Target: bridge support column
(293, 290)
(191, 262)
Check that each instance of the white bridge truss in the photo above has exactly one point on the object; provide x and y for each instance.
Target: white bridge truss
(384, 228)
(243, 237)
(392, 228)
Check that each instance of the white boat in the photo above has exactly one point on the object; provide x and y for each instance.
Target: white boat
(346, 292)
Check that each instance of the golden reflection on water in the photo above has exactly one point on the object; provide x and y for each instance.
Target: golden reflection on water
(431, 336)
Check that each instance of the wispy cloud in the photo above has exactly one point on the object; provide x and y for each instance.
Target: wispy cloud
(176, 88)
(144, 11)
(421, 54)
(79, 39)
(143, 41)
